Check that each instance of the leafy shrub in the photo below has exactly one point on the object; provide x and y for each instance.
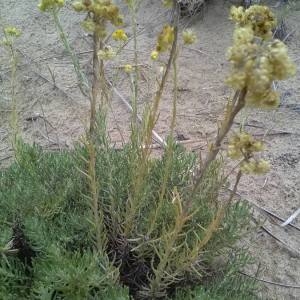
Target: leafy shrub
(44, 194)
(102, 223)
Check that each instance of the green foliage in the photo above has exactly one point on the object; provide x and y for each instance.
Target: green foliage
(101, 223)
(43, 191)
(227, 284)
(49, 197)
(75, 275)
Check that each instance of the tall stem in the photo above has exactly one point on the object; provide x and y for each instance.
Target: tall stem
(14, 114)
(135, 79)
(95, 84)
(238, 104)
(169, 152)
(83, 82)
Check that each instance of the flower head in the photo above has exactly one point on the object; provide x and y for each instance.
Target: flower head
(257, 59)
(12, 31)
(237, 14)
(120, 35)
(243, 145)
(189, 37)
(106, 53)
(165, 39)
(50, 4)
(78, 6)
(258, 17)
(154, 55)
(261, 20)
(255, 167)
(89, 25)
(103, 10)
(128, 68)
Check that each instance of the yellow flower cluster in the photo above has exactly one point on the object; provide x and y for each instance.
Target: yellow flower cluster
(45, 5)
(89, 25)
(99, 11)
(120, 35)
(243, 145)
(154, 55)
(189, 37)
(258, 17)
(164, 41)
(255, 167)
(12, 31)
(257, 60)
(106, 53)
(128, 68)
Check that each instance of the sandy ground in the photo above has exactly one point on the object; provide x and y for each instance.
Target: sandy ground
(54, 113)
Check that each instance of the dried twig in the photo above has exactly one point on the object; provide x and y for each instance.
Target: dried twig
(6, 157)
(274, 131)
(279, 240)
(271, 282)
(265, 210)
(291, 218)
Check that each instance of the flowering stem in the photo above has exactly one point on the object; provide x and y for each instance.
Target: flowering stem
(14, 114)
(135, 76)
(160, 90)
(83, 82)
(237, 104)
(169, 152)
(95, 84)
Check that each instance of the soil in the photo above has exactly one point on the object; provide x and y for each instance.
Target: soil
(53, 113)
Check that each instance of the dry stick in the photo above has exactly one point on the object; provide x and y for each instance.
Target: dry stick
(265, 210)
(291, 218)
(156, 137)
(275, 131)
(267, 230)
(279, 240)
(271, 282)
(6, 157)
(274, 215)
